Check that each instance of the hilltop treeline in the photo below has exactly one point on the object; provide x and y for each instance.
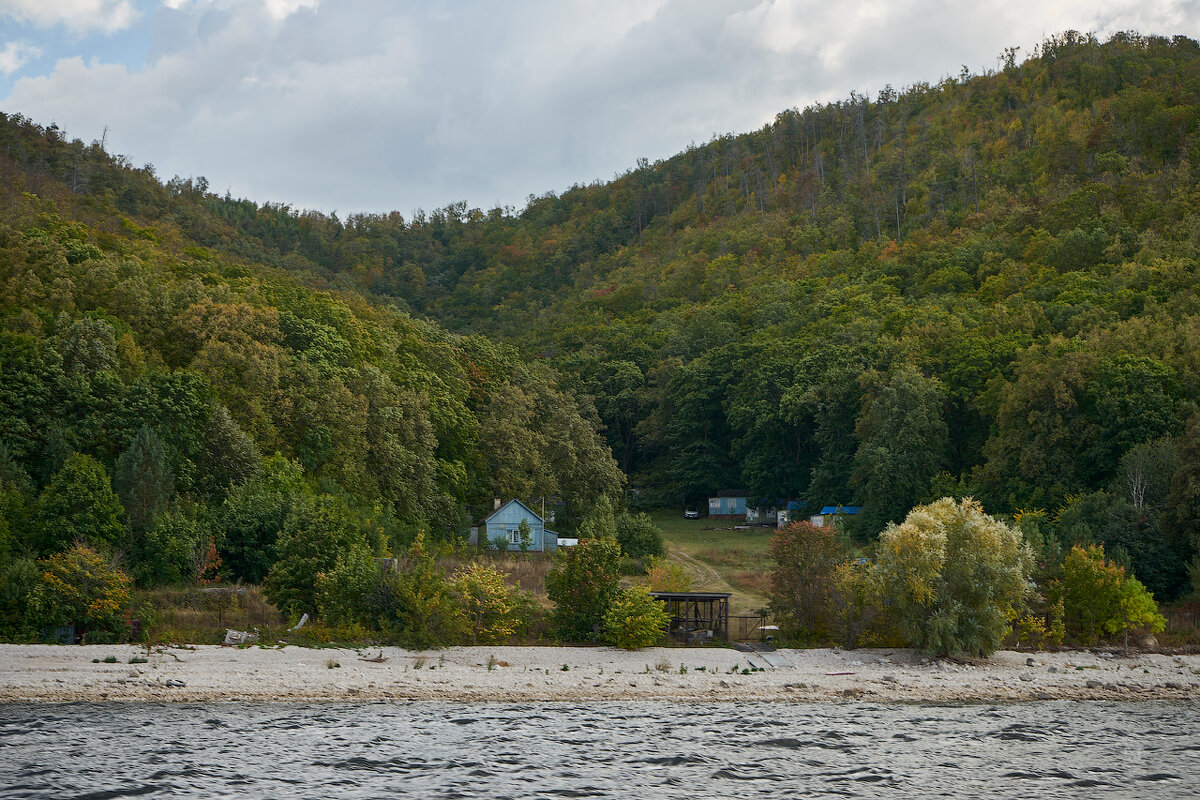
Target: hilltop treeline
(985, 286)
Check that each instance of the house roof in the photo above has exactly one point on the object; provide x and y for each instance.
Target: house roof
(509, 503)
(840, 510)
(777, 502)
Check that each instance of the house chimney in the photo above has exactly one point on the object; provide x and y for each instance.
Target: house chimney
(496, 507)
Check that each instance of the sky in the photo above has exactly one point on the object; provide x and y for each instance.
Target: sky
(394, 105)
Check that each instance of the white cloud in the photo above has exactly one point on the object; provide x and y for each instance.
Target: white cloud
(16, 55)
(279, 9)
(377, 105)
(79, 16)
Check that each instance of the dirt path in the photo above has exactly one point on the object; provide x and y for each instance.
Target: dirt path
(704, 576)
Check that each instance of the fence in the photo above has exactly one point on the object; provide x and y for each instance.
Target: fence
(746, 628)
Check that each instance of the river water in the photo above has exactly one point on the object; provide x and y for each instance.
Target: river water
(599, 749)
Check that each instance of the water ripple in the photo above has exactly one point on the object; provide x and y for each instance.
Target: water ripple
(564, 750)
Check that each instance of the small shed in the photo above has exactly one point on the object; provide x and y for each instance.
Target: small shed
(829, 514)
(696, 616)
(728, 503)
(506, 521)
(770, 510)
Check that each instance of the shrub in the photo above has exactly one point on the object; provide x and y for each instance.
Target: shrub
(1098, 598)
(524, 536)
(667, 576)
(487, 601)
(802, 582)
(638, 536)
(582, 583)
(954, 577)
(414, 606)
(1039, 631)
(80, 587)
(341, 591)
(635, 620)
(854, 599)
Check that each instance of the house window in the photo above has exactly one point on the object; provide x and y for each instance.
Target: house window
(514, 536)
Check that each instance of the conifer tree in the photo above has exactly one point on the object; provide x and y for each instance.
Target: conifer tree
(143, 478)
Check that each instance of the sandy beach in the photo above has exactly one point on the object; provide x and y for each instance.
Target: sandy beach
(52, 673)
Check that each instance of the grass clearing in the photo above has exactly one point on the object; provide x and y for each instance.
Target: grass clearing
(719, 558)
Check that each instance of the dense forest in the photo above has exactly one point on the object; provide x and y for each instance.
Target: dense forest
(182, 408)
(982, 287)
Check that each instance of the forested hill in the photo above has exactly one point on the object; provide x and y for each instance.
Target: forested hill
(985, 286)
(213, 391)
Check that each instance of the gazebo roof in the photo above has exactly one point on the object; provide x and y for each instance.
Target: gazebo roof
(691, 595)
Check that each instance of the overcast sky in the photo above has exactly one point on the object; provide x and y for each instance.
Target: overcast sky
(378, 105)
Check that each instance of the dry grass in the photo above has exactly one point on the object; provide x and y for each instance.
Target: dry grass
(199, 616)
(755, 582)
(529, 569)
(1183, 624)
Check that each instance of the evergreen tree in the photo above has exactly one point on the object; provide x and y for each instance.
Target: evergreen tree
(144, 480)
(229, 456)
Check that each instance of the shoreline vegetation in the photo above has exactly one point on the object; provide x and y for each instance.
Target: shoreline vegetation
(506, 674)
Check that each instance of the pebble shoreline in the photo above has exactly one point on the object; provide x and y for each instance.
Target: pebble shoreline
(49, 673)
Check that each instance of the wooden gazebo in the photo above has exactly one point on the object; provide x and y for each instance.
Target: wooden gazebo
(697, 616)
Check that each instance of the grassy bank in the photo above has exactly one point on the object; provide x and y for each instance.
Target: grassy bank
(720, 558)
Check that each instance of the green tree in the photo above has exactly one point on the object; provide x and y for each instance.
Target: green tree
(581, 584)
(634, 619)
(903, 442)
(1099, 599)
(229, 456)
(487, 601)
(80, 587)
(1138, 610)
(317, 533)
(954, 577)
(806, 558)
(1183, 500)
(17, 581)
(143, 479)
(253, 515)
(87, 345)
(638, 536)
(79, 505)
(173, 550)
(599, 522)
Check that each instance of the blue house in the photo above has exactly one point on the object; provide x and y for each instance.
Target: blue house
(506, 521)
